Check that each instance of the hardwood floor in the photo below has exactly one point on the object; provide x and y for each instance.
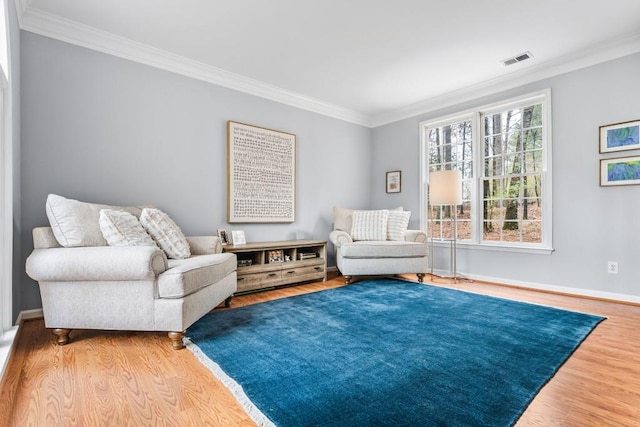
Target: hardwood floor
(134, 378)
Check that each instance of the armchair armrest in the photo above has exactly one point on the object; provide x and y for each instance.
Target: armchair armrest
(203, 245)
(417, 236)
(339, 238)
(98, 263)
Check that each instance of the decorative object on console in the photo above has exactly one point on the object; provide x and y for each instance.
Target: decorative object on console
(445, 188)
(238, 238)
(261, 174)
(275, 255)
(620, 136)
(223, 235)
(394, 182)
(620, 171)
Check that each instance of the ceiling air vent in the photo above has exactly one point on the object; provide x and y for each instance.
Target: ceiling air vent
(517, 58)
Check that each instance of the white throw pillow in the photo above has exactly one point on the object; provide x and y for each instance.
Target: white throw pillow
(398, 224)
(370, 225)
(121, 228)
(166, 233)
(75, 223)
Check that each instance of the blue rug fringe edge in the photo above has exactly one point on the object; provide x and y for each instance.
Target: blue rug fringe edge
(236, 389)
(534, 394)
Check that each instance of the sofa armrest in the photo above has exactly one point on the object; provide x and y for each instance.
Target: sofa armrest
(417, 236)
(339, 238)
(204, 245)
(98, 263)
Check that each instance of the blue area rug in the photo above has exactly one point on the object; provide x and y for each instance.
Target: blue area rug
(388, 352)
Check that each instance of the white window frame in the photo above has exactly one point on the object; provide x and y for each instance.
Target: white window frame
(476, 242)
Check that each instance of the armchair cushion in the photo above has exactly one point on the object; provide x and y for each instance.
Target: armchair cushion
(76, 223)
(186, 276)
(166, 233)
(121, 228)
(385, 249)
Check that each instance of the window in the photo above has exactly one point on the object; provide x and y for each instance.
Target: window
(504, 154)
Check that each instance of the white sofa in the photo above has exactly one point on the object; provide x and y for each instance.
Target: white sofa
(396, 251)
(125, 287)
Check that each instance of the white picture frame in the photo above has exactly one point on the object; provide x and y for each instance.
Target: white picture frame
(238, 237)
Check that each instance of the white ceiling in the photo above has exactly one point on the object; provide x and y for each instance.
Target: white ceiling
(365, 61)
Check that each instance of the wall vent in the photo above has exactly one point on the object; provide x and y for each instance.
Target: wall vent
(518, 58)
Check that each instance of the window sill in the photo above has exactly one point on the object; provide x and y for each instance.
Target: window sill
(538, 250)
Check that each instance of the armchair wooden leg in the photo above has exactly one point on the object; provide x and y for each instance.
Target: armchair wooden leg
(227, 302)
(347, 280)
(176, 340)
(420, 277)
(62, 336)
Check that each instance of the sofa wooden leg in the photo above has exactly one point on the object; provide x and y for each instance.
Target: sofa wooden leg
(420, 277)
(176, 340)
(347, 280)
(227, 302)
(62, 336)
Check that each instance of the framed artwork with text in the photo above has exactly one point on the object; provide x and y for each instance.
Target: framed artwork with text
(261, 181)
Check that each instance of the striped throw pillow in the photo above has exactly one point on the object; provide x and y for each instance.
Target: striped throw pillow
(398, 224)
(370, 225)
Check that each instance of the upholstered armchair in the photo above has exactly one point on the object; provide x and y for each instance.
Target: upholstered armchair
(377, 243)
(88, 280)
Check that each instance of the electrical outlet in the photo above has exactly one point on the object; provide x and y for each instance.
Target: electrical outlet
(612, 267)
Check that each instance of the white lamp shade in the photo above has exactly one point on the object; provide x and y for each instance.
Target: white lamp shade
(445, 187)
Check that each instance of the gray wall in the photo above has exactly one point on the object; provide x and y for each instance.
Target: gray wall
(591, 225)
(103, 129)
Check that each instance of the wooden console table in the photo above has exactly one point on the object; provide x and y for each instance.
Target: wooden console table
(269, 264)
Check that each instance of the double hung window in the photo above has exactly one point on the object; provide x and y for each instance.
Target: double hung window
(504, 154)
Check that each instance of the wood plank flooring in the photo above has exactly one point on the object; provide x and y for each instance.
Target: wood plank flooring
(134, 378)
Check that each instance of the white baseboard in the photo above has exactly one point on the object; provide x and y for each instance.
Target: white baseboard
(554, 288)
(36, 313)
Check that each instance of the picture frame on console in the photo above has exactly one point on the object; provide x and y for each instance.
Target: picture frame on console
(223, 235)
(238, 237)
(275, 255)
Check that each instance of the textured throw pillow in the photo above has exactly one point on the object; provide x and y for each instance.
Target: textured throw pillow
(121, 228)
(343, 218)
(166, 233)
(370, 225)
(398, 224)
(75, 223)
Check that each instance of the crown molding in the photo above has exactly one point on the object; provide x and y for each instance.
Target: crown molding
(585, 58)
(49, 25)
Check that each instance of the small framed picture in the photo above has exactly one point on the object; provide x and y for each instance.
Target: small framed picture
(223, 235)
(275, 256)
(620, 136)
(394, 182)
(620, 171)
(237, 237)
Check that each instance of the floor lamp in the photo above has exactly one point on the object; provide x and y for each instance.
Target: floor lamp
(445, 189)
